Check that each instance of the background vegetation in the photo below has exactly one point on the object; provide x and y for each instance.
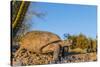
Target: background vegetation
(82, 42)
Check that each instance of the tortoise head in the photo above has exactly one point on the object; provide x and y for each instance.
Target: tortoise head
(67, 42)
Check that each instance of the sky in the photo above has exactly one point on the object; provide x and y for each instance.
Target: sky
(64, 18)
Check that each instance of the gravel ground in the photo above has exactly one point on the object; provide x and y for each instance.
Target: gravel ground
(28, 58)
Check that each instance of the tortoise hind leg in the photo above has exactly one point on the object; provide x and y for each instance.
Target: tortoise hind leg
(18, 52)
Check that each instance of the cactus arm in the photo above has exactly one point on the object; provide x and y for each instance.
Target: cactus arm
(18, 15)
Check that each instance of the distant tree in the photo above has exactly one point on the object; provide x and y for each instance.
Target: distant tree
(92, 47)
(82, 41)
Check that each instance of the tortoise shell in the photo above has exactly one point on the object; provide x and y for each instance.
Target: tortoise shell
(35, 40)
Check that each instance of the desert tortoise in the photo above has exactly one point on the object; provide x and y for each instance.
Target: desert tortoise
(42, 42)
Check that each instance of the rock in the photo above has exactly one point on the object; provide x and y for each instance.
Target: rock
(27, 58)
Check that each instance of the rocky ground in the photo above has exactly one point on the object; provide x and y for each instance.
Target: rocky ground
(28, 58)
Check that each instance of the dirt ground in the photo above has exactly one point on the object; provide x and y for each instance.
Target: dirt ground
(28, 58)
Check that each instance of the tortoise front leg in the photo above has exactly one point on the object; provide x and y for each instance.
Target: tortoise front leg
(56, 53)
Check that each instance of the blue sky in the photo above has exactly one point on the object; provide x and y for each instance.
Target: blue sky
(65, 18)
